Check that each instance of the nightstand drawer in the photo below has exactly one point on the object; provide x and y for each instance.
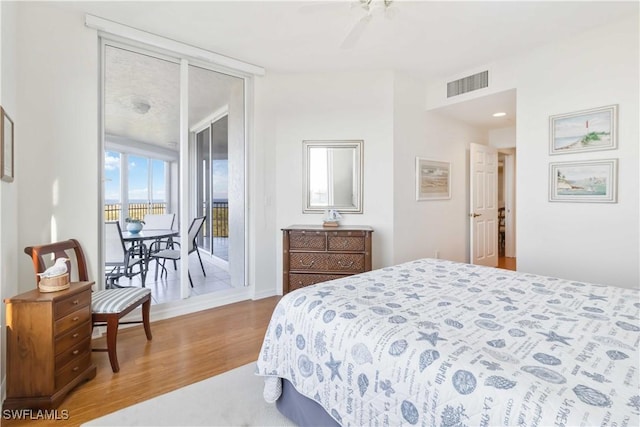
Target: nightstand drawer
(301, 280)
(345, 242)
(347, 263)
(75, 352)
(302, 261)
(68, 305)
(72, 369)
(307, 241)
(72, 320)
(72, 338)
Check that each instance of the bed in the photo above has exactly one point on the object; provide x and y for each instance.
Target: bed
(434, 342)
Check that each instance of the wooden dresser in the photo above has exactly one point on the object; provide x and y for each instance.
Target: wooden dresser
(48, 346)
(313, 253)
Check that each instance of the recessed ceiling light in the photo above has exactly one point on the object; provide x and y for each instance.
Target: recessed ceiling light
(500, 114)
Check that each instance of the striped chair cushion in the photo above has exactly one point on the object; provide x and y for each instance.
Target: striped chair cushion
(116, 300)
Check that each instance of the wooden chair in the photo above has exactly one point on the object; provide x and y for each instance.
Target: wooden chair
(108, 306)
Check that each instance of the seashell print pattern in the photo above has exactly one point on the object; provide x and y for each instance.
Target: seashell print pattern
(545, 374)
(427, 357)
(454, 323)
(547, 359)
(409, 412)
(499, 382)
(592, 396)
(464, 381)
(398, 347)
(557, 346)
(363, 384)
(627, 326)
(616, 355)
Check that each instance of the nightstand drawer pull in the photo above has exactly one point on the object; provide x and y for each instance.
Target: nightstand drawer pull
(75, 369)
(307, 265)
(75, 319)
(76, 302)
(75, 352)
(76, 335)
(345, 265)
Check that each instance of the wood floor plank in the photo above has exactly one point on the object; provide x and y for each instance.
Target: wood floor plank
(184, 350)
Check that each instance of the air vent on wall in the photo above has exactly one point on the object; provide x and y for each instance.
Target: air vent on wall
(468, 84)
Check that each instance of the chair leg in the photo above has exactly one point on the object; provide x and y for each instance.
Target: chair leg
(112, 335)
(201, 264)
(190, 281)
(146, 308)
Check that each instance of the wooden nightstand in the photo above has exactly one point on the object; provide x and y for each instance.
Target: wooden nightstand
(48, 346)
(313, 254)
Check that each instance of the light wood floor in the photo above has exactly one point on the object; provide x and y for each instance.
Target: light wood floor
(507, 263)
(184, 350)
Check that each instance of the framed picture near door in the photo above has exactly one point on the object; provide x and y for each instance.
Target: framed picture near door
(6, 146)
(587, 130)
(433, 179)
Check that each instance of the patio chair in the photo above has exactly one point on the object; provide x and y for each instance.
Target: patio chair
(108, 306)
(159, 221)
(160, 251)
(119, 260)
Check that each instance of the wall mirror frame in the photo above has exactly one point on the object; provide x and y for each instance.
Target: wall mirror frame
(333, 177)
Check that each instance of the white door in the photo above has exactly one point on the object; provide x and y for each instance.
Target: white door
(483, 177)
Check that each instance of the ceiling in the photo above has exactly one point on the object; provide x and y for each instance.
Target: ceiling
(435, 38)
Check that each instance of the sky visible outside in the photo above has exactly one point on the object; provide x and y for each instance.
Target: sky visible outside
(139, 178)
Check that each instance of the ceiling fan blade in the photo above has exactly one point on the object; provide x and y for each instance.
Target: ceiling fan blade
(356, 31)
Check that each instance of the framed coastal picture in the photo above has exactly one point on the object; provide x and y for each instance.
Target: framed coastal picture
(593, 181)
(6, 146)
(587, 130)
(433, 179)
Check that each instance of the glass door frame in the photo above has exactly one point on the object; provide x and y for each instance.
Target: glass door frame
(185, 170)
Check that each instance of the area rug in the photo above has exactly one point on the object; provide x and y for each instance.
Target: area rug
(233, 398)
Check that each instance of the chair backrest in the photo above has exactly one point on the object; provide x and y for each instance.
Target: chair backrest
(194, 229)
(58, 250)
(159, 221)
(114, 249)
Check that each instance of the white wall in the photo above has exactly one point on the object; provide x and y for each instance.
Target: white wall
(589, 242)
(422, 228)
(503, 138)
(9, 249)
(336, 106)
(58, 109)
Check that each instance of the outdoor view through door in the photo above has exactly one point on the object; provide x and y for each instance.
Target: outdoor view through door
(142, 157)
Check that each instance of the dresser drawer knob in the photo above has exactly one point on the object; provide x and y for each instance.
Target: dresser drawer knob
(76, 335)
(75, 319)
(345, 265)
(76, 302)
(75, 369)
(75, 352)
(307, 265)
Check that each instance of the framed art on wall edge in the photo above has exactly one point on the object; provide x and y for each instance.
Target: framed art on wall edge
(592, 181)
(587, 130)
(6, 146)
(433, 179)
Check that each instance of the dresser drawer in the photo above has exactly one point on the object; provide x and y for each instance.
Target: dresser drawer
(76, 352)
(301, 280)
(347, 263)
(71, 370)
(303, 261)
(72, 338)
(316, 241)
(68, 305)
(345, 242)
(72, 320)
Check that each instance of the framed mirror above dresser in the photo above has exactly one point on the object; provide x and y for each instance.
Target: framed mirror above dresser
(332, 176)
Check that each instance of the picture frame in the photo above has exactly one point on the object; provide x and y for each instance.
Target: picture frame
(586, 130)
(6, 146)
(433, 179)
(591, 181)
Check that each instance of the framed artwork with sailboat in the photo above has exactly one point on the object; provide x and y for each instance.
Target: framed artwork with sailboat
(586, 130)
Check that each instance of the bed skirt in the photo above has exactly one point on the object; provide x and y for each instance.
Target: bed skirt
(302, 410)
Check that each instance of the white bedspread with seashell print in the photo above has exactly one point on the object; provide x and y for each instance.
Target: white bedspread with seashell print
(439, 343)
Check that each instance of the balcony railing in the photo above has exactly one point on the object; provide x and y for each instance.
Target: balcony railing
(219, 218)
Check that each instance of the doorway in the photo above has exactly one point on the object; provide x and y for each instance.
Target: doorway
(143, 156)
